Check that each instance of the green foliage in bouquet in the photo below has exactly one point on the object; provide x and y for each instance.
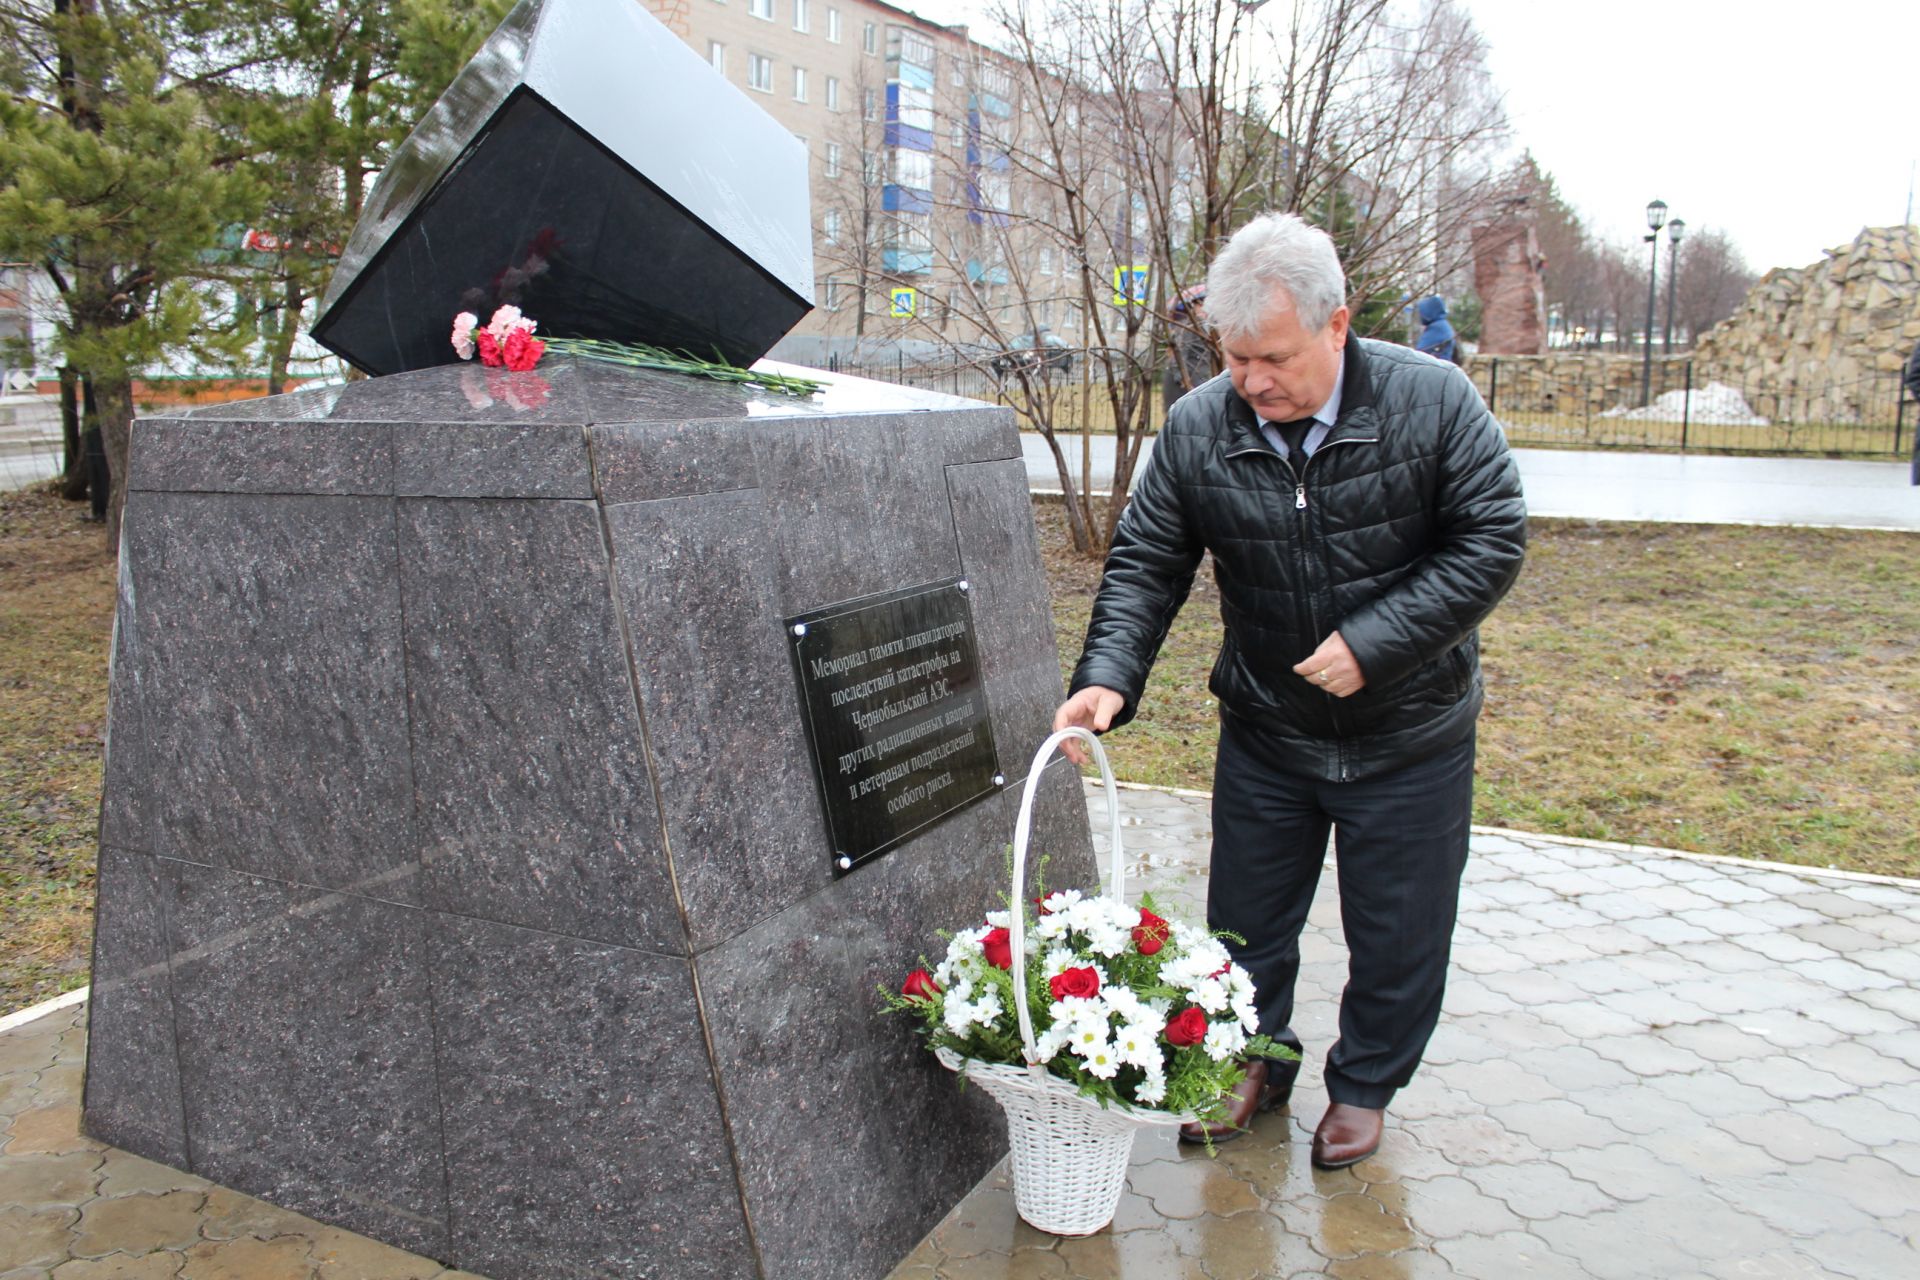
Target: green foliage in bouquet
(1128, 1006)
(638, 355)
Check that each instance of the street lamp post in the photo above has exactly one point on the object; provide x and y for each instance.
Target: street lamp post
(1675, 229)
(1656, 218)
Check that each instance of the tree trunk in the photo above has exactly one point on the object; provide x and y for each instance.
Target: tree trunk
(73, 479)
(113, 399)
(281, 352)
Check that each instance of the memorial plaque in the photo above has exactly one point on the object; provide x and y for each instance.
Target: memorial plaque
(896, 714)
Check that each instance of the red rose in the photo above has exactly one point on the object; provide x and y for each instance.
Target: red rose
(489, 347)
(1083, 982)
(522, 351)
(1188, 1027)
(1151, 933)
(1040, 905)
(998, 949)
(920, 986)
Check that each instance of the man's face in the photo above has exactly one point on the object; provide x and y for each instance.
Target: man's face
(1285, 372)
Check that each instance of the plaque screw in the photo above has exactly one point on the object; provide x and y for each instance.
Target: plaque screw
(999, 779)
(799, 628)
(846, 863)
(964, 585)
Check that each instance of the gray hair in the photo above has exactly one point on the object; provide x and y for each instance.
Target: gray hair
(1274, 251)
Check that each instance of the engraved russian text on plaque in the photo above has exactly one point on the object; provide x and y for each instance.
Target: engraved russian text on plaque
(896, 714)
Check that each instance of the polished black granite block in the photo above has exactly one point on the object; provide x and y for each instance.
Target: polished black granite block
(133, 1077)
(467, 854)
(590, 168)
(306, 1049)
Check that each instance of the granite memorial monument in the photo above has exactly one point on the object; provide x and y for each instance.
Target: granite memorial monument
(519, 784)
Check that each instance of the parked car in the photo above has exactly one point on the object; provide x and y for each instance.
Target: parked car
(1042, 351)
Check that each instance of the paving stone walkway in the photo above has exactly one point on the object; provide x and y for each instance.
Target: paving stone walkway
(1652, 1067)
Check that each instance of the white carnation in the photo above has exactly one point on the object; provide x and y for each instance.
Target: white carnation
(1210, 994)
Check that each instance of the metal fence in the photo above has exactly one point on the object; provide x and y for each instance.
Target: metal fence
(1602, 405)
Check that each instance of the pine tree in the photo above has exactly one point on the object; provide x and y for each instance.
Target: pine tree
(112, 180)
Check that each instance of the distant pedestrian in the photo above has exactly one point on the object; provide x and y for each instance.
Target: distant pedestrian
(1913, 373)
(1436, 338)
(1193, 354)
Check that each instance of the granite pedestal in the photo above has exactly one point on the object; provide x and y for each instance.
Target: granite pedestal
(464, 878)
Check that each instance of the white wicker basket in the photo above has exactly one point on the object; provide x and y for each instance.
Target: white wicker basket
(1070, 1153)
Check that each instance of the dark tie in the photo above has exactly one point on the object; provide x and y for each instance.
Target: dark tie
(1295, 434)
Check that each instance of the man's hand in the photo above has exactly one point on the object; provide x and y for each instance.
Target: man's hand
(1332, 667)
(1094, 707)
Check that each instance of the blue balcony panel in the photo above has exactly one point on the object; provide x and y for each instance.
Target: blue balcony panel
(906, 262)
(895, 198)
(909, 73)
(908, 138)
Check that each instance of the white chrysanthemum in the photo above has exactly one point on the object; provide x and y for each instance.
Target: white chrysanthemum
(1246, 1015)
(1050, 928)
(1210, 994)
(1224, 1039)
(966, 944)
(1152, 1090)
(1061, 899)
(988, 1008)
(1086, 1035)
(1240, 983)
(1121, 916)
(1000, 919)
(1086, 914)
(1138, 1045)
(1048, 1044)
(1108, 940)
(957, 1014)
(1126, 1002)
(961, 990)
(1102, 1061)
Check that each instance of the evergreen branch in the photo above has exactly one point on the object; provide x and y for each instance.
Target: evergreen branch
(638, 355)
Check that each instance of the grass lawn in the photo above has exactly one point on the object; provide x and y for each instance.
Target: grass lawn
(1734, 690)
(1743, 691)
(56, 620)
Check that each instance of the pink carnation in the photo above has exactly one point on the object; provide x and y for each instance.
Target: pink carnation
(505, 321)
(463, 326)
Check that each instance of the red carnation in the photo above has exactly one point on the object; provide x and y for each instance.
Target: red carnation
(522, 351)
(1083, 982)
(1189, 1026)
(489, 347)
(998, 949)
(1040, 905)
(920, 986)
(1151, 933)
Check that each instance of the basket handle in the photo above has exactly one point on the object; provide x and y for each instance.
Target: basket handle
(1022, 833)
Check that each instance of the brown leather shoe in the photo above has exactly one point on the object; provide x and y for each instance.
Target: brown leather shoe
(1347, 1135)
(1253, 1094)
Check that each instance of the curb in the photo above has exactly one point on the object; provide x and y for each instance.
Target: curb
(31, 1013)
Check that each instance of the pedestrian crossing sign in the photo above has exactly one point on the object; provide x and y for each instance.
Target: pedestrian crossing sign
(1129, 286)
(904, 301)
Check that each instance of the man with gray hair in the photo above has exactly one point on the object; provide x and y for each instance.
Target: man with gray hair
(1364, 516)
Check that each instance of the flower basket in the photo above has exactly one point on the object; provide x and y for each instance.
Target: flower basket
(1117, 976)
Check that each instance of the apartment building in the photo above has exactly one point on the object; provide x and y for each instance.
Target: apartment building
(905, 121)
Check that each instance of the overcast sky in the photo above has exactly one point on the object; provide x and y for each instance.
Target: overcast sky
(1788, 125)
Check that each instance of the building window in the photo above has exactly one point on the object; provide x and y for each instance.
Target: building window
(1046, 259)
(870, 168)
(717, 55)
(830, 226)
(959, 72)
(833, 158)
(833, 94)
(833, 25)
(799, 84)
(959, 135)
(801, 20)
(869, 37)
(913, 169)
(836, 295)
(870, 106)
(761, 9)
(913, 106)
(760, 73)
(910, 46)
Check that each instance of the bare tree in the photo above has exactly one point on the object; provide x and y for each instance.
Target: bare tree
(1713, 280)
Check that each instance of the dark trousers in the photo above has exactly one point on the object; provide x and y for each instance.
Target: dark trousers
(1401, 850)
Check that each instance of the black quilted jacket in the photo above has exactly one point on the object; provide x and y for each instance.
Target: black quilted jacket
(1402, 532)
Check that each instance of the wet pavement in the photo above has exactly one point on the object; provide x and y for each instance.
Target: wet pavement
(1660, 487)
(1651, 1065)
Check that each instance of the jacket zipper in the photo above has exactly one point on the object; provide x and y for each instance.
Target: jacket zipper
(1300, 504)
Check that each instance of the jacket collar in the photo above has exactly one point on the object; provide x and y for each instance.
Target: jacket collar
(1357, 421)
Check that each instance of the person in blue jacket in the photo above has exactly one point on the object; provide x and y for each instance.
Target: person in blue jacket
(1436, 339)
